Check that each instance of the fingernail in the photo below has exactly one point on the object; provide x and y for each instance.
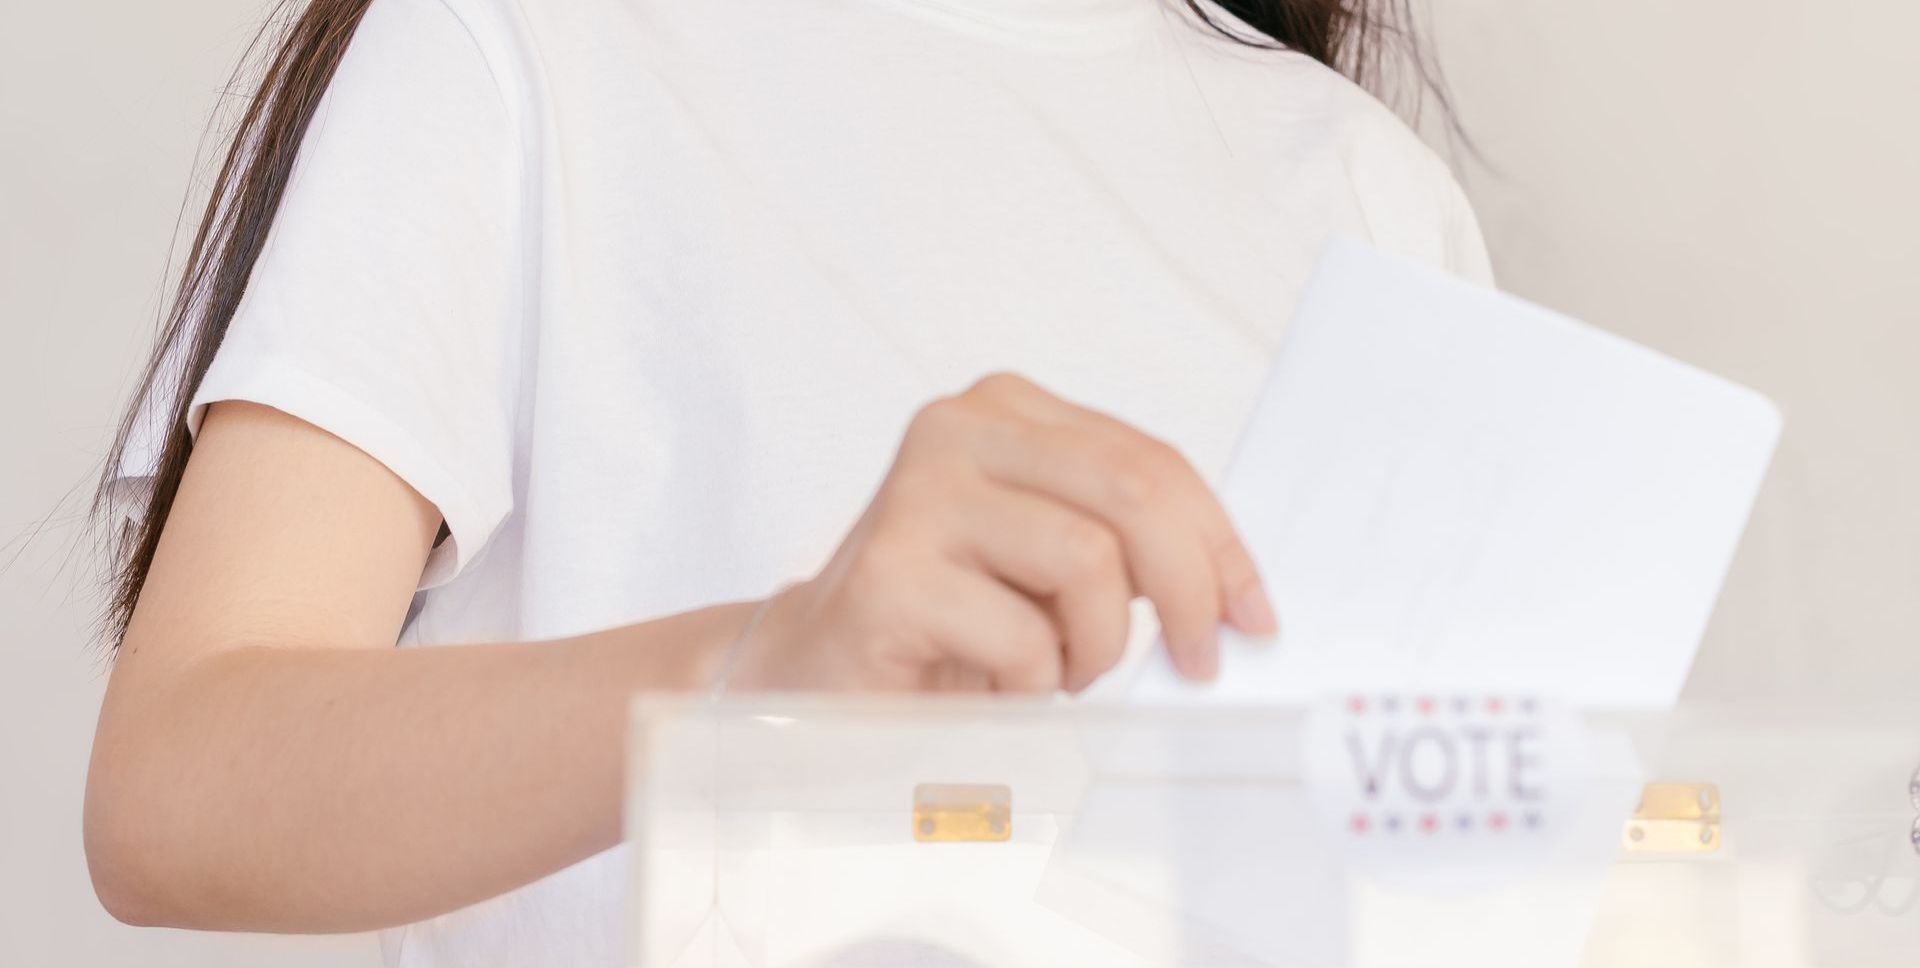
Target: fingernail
(1252, 612)
(1202, 663)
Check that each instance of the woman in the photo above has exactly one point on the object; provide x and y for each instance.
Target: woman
(578, 317)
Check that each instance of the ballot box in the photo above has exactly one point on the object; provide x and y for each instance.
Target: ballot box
(1454, 828)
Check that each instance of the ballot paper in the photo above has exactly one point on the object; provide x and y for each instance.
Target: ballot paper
(1447, 487)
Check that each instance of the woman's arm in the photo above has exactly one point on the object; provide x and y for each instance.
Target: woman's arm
(266, 760)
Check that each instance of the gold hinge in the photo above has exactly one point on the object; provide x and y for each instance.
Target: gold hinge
(1675, 818)
(962, 812)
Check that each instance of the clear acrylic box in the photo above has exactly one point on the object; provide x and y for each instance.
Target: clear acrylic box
(941, 832)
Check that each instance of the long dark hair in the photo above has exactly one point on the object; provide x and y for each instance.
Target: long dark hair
(1361, 38)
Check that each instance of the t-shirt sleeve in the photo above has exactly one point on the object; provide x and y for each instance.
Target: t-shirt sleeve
(1411, 200)
(1465, 247)
(386, 307)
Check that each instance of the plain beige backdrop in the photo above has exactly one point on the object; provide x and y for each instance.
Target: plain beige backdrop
(1736, 182)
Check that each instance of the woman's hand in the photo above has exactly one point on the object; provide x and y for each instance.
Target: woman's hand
(1002, 552)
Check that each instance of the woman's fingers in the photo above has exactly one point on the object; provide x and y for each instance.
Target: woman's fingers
(1245, 604)
(1181, 549)
(988, 626)
(1005, 546)
(1064, 558)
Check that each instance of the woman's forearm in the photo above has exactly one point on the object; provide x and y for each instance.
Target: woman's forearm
(344, 789)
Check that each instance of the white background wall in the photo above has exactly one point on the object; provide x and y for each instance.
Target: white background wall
(1736, 182)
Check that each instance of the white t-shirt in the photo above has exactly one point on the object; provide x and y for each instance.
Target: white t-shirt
(641, 294)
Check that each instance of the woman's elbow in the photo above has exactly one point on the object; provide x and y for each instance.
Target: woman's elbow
(125, 903)
(118, 860)
(130, 853)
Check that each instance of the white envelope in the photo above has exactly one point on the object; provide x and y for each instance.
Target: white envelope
(1447, 486)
